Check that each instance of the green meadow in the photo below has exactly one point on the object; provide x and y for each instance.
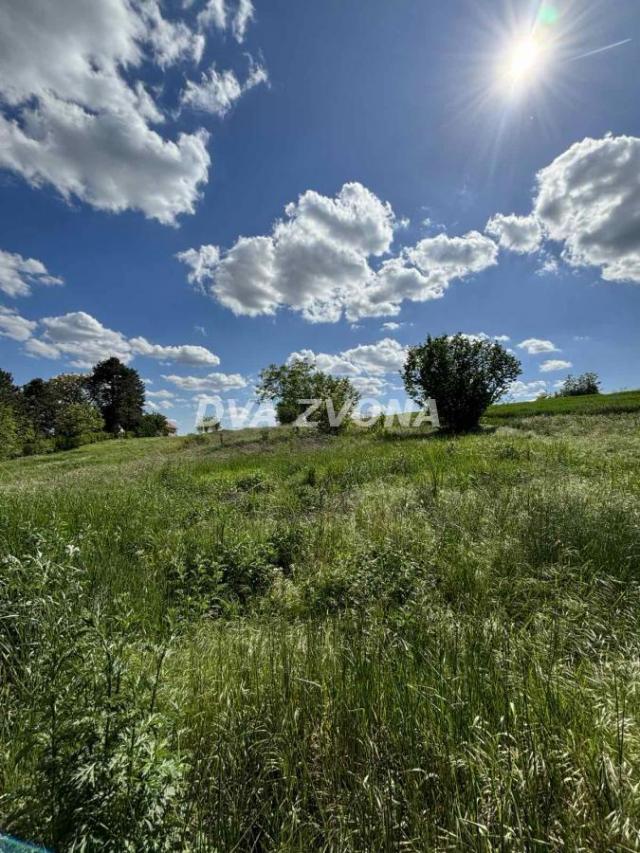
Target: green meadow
(277, 641)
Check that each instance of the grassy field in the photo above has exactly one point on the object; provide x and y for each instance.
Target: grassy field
(289, 643)
(595, 404)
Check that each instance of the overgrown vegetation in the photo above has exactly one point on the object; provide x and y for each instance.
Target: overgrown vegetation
(364, 642)
(72, 409)
(464, 376)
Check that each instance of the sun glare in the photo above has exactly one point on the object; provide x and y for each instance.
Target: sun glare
(522, 63)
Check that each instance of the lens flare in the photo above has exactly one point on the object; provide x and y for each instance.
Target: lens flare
(523, 62)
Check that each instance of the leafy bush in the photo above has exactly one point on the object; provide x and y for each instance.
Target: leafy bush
(464, 377)
(580, 386)
(154, 424)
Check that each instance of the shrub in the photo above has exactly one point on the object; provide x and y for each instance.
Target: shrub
(580, 386)
(153, 424)
(464, 376)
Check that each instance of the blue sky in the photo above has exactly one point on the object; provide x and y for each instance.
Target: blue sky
(134, 132)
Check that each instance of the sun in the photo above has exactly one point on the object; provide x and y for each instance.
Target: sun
(522, 63)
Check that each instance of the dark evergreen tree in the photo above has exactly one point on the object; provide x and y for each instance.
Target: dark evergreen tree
(118, 392)
(39, 406)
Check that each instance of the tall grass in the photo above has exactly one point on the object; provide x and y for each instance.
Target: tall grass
(353, 644)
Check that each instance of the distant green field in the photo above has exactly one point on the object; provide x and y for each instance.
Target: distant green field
(595, 404)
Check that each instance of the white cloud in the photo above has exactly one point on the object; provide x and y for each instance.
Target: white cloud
(554, 364)
(525, 391)
(589, 198)
(215, 12)
(186, 354)
(86, 341)
(482, 336)
(245, 13)
(521, 234)
(218, 13)
(218, 91)
(77, 118)
(18, 274)
(385, 356)
(213, 382)
(161, 395)
(423, 272)
(535, 346)
(317, 261)
(549, 265)
(13, 326)
(370, 386)
(312, 261)
(38, 348)
(391, 326)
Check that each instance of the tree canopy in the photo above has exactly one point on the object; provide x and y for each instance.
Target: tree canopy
(463, 375)
(69, 410)
(294, 387)
(118, 392)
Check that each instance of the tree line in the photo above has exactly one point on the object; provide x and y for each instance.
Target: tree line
(73, 409)
(463, 375)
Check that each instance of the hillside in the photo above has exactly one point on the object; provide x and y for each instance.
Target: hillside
(289, 642)
(594, 404)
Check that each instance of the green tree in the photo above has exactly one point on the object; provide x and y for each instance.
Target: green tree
(40, 406)
(153, 424)
(11, 440)
(77, 424)
(579, 386)
(118, 392)
(293, 386)
(463, 376)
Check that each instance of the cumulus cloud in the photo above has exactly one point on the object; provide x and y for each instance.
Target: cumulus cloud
(18, 274)
(385, 356)
(589, 199)
(365, 365)
(216, 383)
(554, 364)
(13, 326)
(423, 272)
(521, 234)
(76, 118)
(318, 261)
(186, 354)
(84, 340)
(536, 346)
(312, 261)
(525, 391)
(218, 91)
